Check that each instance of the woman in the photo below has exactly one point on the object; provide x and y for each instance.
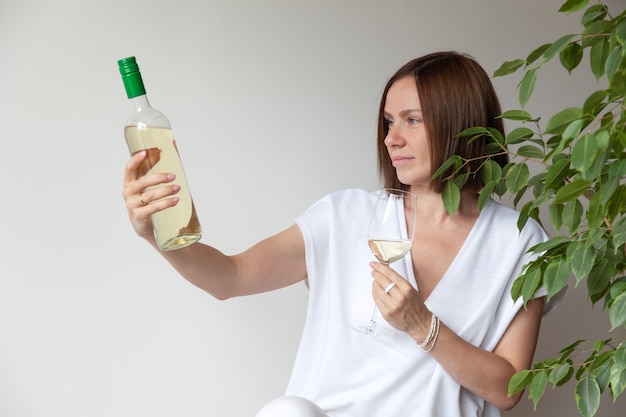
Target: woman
(451, 337)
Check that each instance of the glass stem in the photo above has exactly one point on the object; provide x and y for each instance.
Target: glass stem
(373, 326)
(374, 313)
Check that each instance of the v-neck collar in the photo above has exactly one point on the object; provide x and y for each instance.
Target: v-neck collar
(408, 259)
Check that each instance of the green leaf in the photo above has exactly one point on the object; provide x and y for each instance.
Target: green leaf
(598, 345)
(538, 387)
(537, 53)
(618, 83)
(517, 177)
(572, 131)
(617, 312)
(474, 131)
(495, 134)
(598, 55)
(525, 213)
(618, 381)
(600, 278)
(613, 62)
(561, 374)
(618, 287)
(549, 244)
(620, 33)
(557, 46)
(585, 152)
(618, 370)
(619, 233)
(572, 190)
(594, 101)
(572, 215)
(509, 67)
(603, 375)
(531, 151)
(595, 212)
(520, 115)
(581, 259)
(485, 194)
(451, 197)
(491, 172)
(556, 276)
(518, 135)
(559, 142)
(603, 147)
(532, 281)
(572, 347)
(556, 173)
(594, 32)
(516, 288)
(595, 12)
(562, 119)
(527, 85)
(587, 396)
(571, 56)
(620, 356)
(606, 190)
(556, 215)
(520, 381)
(618, 169)
(454, 161)
(573, 6)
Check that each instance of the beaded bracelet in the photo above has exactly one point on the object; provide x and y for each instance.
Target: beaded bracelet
(433, 331)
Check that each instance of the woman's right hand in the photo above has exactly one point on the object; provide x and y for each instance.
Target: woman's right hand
(146, 194)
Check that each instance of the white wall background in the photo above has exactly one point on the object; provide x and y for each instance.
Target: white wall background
(273, 104)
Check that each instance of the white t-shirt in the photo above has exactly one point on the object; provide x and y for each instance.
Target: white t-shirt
(352, 374)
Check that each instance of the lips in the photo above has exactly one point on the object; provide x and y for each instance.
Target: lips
(400, 160)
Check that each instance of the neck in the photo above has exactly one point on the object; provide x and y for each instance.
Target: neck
(430, 204)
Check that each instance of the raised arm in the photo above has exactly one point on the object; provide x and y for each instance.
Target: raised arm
(273, 263)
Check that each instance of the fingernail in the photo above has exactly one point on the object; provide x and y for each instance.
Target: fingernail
(176, 188)
(171, 177)
(372, 264)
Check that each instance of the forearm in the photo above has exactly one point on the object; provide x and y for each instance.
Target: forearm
(484, 373)
(487, 374)
(273, 263)
(205, 267)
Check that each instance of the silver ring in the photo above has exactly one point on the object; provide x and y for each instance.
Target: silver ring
(143, 203)
(390, 287)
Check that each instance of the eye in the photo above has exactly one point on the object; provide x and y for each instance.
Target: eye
(388, 122)
(414, 121)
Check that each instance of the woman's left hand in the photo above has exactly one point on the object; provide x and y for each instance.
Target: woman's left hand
(399, 303)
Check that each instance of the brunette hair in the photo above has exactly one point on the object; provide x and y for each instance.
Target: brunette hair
(455, 94)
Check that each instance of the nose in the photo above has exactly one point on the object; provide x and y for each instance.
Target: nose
(394, 137)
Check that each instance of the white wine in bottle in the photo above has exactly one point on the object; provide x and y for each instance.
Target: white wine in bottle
(148, 129)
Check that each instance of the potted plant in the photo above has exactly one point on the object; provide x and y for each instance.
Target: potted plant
(580, 185)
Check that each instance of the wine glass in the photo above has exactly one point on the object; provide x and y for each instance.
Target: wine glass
(390, 231)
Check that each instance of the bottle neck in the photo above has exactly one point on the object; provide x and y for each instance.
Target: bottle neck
(139, 103)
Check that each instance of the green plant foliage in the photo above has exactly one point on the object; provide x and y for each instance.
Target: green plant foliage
(580, 156)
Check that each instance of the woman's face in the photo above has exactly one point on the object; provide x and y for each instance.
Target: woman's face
(406, 140)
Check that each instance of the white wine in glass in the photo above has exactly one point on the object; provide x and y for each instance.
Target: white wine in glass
(388, 251)
(390, 232)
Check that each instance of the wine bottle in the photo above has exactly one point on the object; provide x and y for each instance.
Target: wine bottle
(148, 129)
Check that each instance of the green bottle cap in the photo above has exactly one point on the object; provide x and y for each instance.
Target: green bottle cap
(131, 77)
